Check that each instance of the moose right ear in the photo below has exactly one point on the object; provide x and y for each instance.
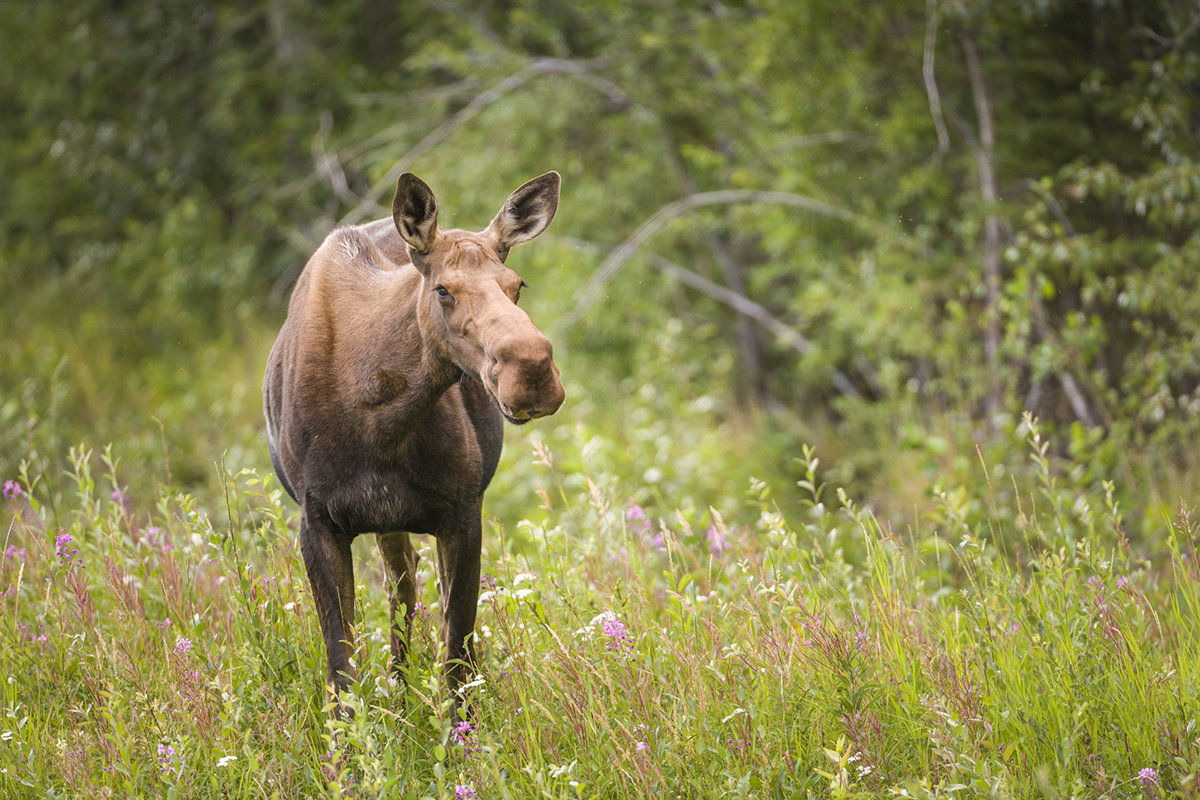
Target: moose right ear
(415, 213)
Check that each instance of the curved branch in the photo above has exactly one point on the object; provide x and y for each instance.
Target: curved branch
(622, 253)
(747, 307)
(543, 66)
(931, 87)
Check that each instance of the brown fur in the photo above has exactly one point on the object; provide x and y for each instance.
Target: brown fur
(385, 394)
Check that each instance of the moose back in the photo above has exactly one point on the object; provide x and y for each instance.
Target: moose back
(403, 351)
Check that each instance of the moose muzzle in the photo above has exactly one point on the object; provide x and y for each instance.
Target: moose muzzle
(524, 378)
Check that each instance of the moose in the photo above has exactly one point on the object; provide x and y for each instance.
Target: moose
(403, 351)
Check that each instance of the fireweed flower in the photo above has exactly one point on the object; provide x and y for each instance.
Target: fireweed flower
(618, 637)
(66, 557)
(464, 735)
(169, 760)
(637, 516)
(12, 490)
(717, 541)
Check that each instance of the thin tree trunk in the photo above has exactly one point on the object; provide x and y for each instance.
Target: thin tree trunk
(991, 233)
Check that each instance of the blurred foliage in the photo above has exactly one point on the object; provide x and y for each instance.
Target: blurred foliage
(169, 166)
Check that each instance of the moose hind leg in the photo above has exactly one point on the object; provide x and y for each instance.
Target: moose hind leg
(330, 567)
(458, 587)
(400, 574)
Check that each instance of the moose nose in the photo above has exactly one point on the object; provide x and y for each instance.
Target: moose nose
(525, 378)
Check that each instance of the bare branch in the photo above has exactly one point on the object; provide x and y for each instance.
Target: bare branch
(328, 166)
(1052, 203)
(1176, 41)
(931, 87)
(544, 66)
(622, 253)
(748, 308)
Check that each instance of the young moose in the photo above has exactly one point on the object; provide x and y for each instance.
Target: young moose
(403, 350)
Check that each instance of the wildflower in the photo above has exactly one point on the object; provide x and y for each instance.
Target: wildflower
(169, 760)
(464, 792)
(15, 552)
(12, 490)
(117, 497)
(61, 543)
(618, 637)
(1122, 582)
(464, 735)
(225, 761)
(717, 542)
(642, 747)
(183, 646)
(862, 641)
(635, 514)
(1148, 777)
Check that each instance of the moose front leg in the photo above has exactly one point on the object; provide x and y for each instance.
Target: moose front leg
(458, 587)
(400, 575)
(330, 567)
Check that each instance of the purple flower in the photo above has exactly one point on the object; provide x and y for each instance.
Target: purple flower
(618, 637)
(15, 552)
(1148, 777)
(61, 543)
(717, 542)
(862, 641)
(183, 646)
(635, 514)
(117, 497)
(1122, 581)
(464, 792)
(12, 490)
(642, 747)
(464, 735)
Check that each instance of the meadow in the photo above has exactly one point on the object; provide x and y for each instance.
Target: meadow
(880, 331)
(159, 647)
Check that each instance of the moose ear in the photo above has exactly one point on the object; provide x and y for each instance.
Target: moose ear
(526, 212)
(415, 213)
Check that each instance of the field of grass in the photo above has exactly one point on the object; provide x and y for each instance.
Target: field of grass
(154, 646)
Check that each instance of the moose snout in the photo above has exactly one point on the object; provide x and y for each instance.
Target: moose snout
(525, 378)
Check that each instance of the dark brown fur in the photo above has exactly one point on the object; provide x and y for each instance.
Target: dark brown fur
(385, 395)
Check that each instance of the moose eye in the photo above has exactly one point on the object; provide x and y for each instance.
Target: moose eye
(442, 293)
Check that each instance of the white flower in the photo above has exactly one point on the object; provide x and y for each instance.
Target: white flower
(601, 618)
(524, 576)
(736, 711)
(225, 761)
(521, 594)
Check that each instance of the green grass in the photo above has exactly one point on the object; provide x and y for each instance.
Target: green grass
(1032, 653)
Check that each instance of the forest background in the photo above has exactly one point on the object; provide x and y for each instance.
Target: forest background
(885, 230)
(891, 235)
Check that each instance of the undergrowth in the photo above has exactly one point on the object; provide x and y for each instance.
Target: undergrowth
(169, 649)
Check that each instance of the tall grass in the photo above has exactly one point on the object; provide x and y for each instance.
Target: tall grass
(161, 648)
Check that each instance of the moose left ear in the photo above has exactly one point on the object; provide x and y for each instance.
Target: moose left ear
(525, 213)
